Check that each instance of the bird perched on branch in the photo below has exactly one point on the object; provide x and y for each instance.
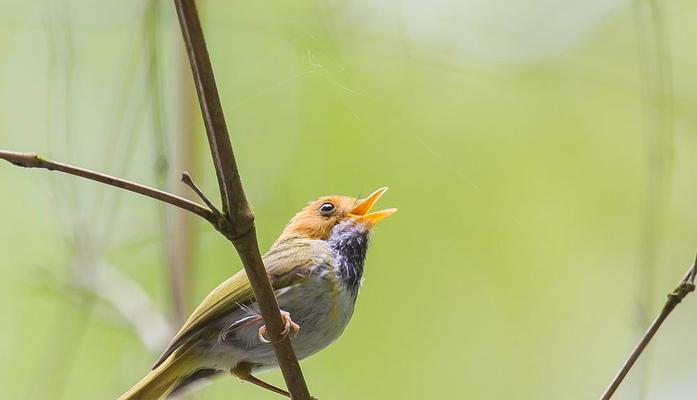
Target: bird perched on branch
(315, 268)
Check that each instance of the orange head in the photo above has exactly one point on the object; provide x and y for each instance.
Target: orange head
(319, 217)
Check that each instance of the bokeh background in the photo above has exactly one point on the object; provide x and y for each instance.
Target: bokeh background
(541, 153)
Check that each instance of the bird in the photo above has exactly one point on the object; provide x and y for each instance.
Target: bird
(316, 270)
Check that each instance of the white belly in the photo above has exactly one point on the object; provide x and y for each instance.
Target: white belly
(320, 305)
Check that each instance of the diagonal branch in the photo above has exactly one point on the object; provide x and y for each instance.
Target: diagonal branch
(238, 225)
(686, 286)
(234, 200)
(31, 160)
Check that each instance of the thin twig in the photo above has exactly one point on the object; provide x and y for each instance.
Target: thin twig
(186, 178)
(240, 227)
(686, 286)
(31, 160)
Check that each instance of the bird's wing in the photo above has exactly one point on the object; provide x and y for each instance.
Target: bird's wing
(286, 265)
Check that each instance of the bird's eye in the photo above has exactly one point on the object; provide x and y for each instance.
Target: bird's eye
(326, 209)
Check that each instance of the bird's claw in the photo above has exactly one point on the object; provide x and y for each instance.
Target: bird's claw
(289, 327)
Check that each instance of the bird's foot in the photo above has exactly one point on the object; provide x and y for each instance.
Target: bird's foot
(290, 327)
(242, 371)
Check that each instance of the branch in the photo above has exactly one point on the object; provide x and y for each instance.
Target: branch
(186, 178)
(233, 198)
(31, 160)
(686, 286)
(239, 227)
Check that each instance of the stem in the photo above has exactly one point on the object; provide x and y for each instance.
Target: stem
(31, 160)
(186, 178)
(238, 223)
(686, 286)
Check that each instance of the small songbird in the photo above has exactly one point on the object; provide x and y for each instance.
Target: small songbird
(315, 268)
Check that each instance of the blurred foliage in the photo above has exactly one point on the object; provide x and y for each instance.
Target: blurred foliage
(514, 140)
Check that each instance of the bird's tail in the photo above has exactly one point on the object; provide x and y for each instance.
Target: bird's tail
(164, 379)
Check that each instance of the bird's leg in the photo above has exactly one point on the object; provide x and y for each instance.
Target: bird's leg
(290, 326)
(238, 324)
(243, 372)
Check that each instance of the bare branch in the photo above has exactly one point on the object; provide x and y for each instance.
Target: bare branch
(686, 286)
(31, 160)
(231, 192)
(186, 178)
(239, 228)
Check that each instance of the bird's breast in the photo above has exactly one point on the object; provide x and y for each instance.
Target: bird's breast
(320, 304)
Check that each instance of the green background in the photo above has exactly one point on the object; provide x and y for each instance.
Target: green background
(543, 168)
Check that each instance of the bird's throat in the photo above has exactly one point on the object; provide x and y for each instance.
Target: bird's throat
(349, 244)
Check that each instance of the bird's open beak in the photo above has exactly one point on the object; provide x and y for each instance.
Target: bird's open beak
(361, 210)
